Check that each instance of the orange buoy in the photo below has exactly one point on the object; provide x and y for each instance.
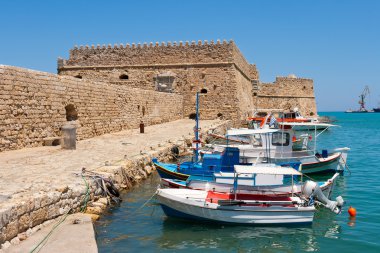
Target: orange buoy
(352, 211)
(294, 138)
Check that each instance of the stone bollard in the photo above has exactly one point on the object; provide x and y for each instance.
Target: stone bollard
(69, 136)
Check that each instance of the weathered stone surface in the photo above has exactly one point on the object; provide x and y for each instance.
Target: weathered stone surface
(39, 216)
(94, 217)
(5, 216)
(11, 230)
(15, 241)
(24, 222)
(104, 201)
(38, 108)
(101, 205)
(22, 236)
(5, 245)
(221, 69)
(94, 210)
(287, 93)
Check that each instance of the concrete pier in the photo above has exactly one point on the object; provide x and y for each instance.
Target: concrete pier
(40, 184)
(74, 234)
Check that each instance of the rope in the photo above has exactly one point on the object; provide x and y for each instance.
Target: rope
(102, 184)
(45, 239)
(345, 164)
(42, 243)
(87, 196)
(146, 202)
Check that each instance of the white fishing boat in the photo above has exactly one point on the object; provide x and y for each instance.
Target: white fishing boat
(277, 185)
(245, 208)
(278, 146)
(281, 116)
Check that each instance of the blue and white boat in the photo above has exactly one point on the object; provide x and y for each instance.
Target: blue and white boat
(202, 169)
(247, 208)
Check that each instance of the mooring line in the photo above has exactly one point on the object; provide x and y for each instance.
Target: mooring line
(146, 202)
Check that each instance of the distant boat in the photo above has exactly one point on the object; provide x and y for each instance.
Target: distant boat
(361, 111)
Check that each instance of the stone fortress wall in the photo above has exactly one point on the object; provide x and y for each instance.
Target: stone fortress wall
(110, 88)
(35, 105)
(218, 67)
(287, 93)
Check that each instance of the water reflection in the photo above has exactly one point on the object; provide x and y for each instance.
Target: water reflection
(179, 234)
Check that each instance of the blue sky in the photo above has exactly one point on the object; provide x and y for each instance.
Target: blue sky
(336, 43)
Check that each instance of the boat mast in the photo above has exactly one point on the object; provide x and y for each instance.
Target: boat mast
(196, 130)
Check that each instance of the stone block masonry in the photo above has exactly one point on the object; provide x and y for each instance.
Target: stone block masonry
(287, 93)
(219, 67)
(35, 105)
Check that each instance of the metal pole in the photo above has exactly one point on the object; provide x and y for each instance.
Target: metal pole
(315, 139)
(282, 131)
(292, 185)
(196, 128)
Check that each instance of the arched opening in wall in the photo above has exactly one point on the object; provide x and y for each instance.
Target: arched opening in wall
(220, 115)
(124, 77)
(304, 87)
(138, 107)
(78, 76)
(192, 115)
(215, 86)
(143, 111)
(255, 94)
(204, 91)
(71, 112)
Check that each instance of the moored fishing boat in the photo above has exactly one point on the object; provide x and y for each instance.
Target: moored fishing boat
(222, 208)
(277, 188)
(277, 146)
(280, 116)
(247, 208)
(204, 168)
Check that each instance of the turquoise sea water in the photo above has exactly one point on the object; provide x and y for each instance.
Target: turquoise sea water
(130, 228)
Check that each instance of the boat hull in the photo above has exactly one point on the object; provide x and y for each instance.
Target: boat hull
(188, 206)
(169, 172)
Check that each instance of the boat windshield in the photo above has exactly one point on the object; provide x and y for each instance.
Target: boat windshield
(256, 140)
(280, 139)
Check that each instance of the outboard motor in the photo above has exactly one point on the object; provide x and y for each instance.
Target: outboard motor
(311, 190)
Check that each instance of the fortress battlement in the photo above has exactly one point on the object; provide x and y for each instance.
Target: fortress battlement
(179, 54)
(154, 45)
